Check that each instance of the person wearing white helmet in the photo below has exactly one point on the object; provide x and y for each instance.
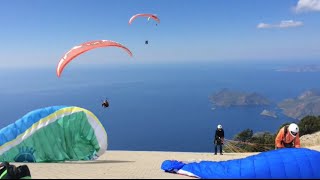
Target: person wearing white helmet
(218, 139)
(288, 137)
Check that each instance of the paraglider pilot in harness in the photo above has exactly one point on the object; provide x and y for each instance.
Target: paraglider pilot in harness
(288, 137)
(218, 139)
(105, 104)
(146, 42)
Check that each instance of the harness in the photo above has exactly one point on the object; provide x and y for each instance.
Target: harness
(9, 171)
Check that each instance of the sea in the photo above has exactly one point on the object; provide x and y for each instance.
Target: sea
(157, 107)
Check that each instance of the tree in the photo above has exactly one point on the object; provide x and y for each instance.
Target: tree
(309, 125)
(263, 141)
(244, 136)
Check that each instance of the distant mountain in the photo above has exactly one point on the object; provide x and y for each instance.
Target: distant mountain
(227, 98)
(309, 93)
(308, 103)
(305, 68)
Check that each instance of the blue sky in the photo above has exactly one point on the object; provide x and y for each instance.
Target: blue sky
(39, 32)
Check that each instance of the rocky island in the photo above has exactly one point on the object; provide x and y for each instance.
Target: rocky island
(268, 113)
(308, 103)
(228, 98)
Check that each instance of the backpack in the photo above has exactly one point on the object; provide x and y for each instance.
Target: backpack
(9, 171)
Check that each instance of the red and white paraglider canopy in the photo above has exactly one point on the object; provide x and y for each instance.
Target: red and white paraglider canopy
(84, 47)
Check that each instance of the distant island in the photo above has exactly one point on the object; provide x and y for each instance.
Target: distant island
(305, 68)
(228, 98)
(268, 113)
(308, 103)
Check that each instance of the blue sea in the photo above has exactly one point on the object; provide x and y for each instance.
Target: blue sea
(160, 107)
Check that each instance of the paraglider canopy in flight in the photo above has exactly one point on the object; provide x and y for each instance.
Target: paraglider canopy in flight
(152, 16)
(84, 47)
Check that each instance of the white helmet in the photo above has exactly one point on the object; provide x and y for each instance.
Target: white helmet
(219, 126)
(293, 129)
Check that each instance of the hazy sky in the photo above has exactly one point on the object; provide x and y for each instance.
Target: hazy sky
(39, 32)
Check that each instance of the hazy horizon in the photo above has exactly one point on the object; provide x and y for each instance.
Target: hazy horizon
(38, 33)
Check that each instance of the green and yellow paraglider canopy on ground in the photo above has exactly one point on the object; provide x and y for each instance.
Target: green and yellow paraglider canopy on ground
(57, 133)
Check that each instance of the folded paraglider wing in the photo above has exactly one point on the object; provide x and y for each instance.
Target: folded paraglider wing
(288, 163)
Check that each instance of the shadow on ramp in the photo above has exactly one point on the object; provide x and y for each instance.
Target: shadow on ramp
(96, 162)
